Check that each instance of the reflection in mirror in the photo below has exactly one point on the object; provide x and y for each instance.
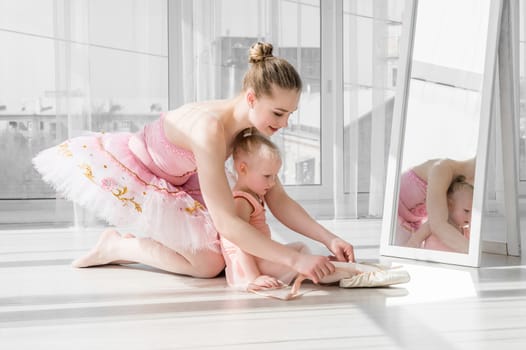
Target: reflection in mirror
(442, 125)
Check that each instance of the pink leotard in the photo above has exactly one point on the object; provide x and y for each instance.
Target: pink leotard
(152, 148)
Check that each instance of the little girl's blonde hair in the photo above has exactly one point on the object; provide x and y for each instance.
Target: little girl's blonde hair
(249, 142)
(459, 183)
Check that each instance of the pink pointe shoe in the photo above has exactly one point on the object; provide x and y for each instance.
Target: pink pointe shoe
(379, 278)
(366, 274)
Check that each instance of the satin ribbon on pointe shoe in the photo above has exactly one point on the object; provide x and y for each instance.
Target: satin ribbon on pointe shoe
(282, 293)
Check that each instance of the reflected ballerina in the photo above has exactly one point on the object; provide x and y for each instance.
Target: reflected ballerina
(423, 200)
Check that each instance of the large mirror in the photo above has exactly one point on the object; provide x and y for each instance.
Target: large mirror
(435, 183)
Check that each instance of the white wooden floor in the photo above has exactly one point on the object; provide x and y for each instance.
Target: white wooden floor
(46, 304)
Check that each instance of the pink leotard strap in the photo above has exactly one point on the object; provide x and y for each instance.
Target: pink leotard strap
(257, 218)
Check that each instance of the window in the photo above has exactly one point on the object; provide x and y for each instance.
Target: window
(371, 36)
(67, 68)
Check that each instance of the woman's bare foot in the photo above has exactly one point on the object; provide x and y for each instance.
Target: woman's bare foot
(101, 254)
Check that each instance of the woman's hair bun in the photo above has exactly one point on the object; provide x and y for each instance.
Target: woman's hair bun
(259, 52)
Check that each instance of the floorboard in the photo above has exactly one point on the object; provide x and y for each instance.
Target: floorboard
(46, 304)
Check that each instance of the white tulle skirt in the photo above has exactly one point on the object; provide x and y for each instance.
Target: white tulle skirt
(99, 172)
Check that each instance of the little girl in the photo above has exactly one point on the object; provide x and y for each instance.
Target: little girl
(257, 162)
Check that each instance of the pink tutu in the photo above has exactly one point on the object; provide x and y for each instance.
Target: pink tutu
(100, 172)
(412, 201)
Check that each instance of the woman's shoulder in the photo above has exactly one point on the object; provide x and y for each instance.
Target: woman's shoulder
(191, 112)
(460, 166)
(195, 120)
(447, 163)
(423, 169)
(446, 168)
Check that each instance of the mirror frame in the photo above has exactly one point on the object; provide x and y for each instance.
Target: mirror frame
(390, 217)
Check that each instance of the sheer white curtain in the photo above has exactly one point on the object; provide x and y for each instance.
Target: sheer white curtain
(192, 50)
(69, 66)
(371, 34)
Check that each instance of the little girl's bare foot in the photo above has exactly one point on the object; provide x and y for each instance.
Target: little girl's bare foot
(101, 253)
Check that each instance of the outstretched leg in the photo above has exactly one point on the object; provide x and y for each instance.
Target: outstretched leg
(113, 248)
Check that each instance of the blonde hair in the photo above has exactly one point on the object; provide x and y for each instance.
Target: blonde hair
(267, 70)
(249, 142)
(459, 183)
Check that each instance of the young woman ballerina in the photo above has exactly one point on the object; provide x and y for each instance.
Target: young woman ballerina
(459, 202)
(257, 162)
(170, 181)
(423, 198)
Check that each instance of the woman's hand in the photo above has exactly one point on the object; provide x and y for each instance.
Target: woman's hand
(314, 267)
(265, 282)
(342, 250)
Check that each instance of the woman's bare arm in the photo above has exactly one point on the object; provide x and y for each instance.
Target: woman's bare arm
(209, 148)
(439, 178)
(419, 236)
(294, 216)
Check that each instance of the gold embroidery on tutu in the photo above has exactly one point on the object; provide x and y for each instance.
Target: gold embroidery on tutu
(87, 172)
(197, 206)
(64, 149)
(119, 193)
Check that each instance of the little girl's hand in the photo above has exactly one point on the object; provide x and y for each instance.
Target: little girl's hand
(265, 282)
